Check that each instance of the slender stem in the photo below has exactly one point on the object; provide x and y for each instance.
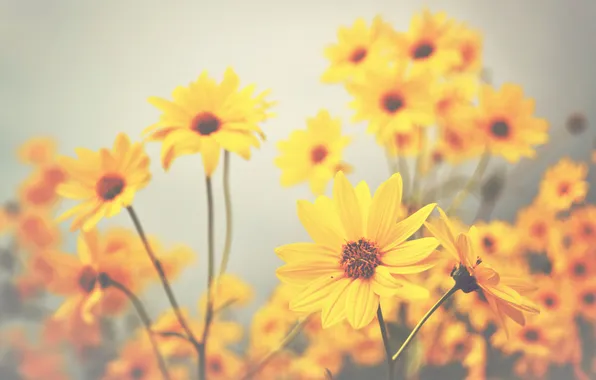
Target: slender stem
(283, 344)
(385, 336)
(405, 175)
(473, 180)
(228, 205)
(138, 305)
(391, 164)
(449, 293)
(210, 276)
(162, 276)
(415, 196)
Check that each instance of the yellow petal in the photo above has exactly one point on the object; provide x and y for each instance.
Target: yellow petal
(384, 211)
(384, 284)
(88, 246)
(486, 275)
(410, 291)
(362, 303)
(303, 272)
(334, 309)
(440, 231)
(406, 228)
(90, 303)
(210, 150)
(519, 285)
(465, 250)
(348, 207)
(312, 297)
(67, 308)
(364, 199)
(503, 293)
(306, 252)
(410, 252)
(321, 222)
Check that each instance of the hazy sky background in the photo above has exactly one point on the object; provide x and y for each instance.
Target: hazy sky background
(81, 71)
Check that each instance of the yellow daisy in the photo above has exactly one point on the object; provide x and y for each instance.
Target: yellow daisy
(468, 43)
(314, 154)
(404, 143)
(206, 117)
(392, 100)
(563, 185)
(429, 43)
(358, 49)
(359, 254)
(104, 181)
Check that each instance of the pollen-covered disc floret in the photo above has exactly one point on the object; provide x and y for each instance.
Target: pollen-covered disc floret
(360, 258)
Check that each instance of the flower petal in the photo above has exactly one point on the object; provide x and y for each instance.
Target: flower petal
(321, 222)
(465, 250)
(306, 252)
(406, 228)
(334, 309)
(364, 199)
(311, 298)
(348, 207)
(385, 210)
(363, 303)
(410, 252)
(210, 150)
(384, 284)
(303, 272)
(410, 291)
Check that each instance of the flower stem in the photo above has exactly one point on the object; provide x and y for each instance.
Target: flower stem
(271, 354)
(138, 305)
(444, 298)
(210, 276)
(385, 336)
(162, 277)
(422, 155)
(405, 175)
(228, 205)
(473, 180)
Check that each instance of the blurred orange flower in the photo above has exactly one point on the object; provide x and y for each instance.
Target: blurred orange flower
(37, 151)
(563, 185)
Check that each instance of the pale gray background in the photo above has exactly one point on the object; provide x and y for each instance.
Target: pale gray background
(81, 71)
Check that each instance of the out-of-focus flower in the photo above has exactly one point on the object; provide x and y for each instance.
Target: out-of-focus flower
(222, 364)
(496, 239)
(269, 326)
(505, 119)
(429, 43)
(359, 48)
(206, 117)
(403, 143)
(39, 190)
(456, 144)
(314, 154)
(36, 230)
(37, 151)
(469, 44)
(318, 357)
(563, 185)
(358, 251)
(453, 106)
(391, 99)
(577, 266)
(581, 226)
(231, 291)
(586, 299)
(104, 181)
(533, 226)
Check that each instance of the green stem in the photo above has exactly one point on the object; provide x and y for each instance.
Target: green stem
(385, 336)
(405, 175)
(449, 293)
(210, 276)
(162, 277)
(416, 195)
(144, 316)
(472, 181)
(228, 205)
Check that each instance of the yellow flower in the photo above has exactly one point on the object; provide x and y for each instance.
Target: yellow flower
(404, 143)
(37, 151)
(507, 122)
(468, 43)
(472, 274)
(392, 100)
(563, 185)
(313, 154)
(496, 239)
(206, 117)
(358, 49)
(454, 101)
(231, 291)
(429, 43)
(359, 253)
(534, 224)
(104, 181)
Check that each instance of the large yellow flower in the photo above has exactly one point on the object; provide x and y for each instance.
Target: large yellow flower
(503, 293)
(313, 154)
(392, 100)
(206, 117)
(104, 181)
(358, 49)
(359, 253)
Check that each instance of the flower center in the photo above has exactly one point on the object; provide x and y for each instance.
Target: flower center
(563, 188)
(500, 129)
(549, 301)
(109, 186)
(402, 140)
(358, 55)
(589, 298)
(488, 243)
(588, 230)
(392, 102)
(531, 335)
(318, 154)
(205, 123)
(538, 229)
(463, 277)
(579, 269)
(89, 278)
(454, 140)
(137, 373)
(360, 258)
(423, 50)
(215, 366)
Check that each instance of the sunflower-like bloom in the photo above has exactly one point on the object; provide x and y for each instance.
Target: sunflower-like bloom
(506, 121)
(503, 293)
(359, 253)
(104, 181)
(314, 154)
(207, 116)
(563, 185)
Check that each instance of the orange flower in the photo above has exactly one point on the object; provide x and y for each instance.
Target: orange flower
(496, 239)
(586, 299)
(40, 189)
(534, 225)
(36, 230)
(581, 226)
(563, 185)
(468, 43)
(456, 144)
(37, 151)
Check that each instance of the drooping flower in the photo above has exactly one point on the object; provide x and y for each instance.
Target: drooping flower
(359, 253)
(206, 117)
(314, 154)
(104, 181)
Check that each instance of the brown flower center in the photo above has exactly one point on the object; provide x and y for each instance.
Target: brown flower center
(109, 186)
(579, 269)
(459, 348)
(392, 102)
(550, 301)
(454, 140)
(358, 55)
(588, 230)
(360, 258)
(589, 298)
(318, 154)
(531, 335)
(538, 229)
(500, 129)
(89, 278)
(402, 140)
(137, 373)
(488, 243)
(205, 123)
(564, 188)
(215, 366)
(423, 50)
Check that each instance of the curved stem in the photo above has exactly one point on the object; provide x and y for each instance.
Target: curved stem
(385, 336)
(138, 305)
(228, 206)
(449, 293)
(473, 180)
(422, 155)
(210, 276)
(283, 344)
(162, 276)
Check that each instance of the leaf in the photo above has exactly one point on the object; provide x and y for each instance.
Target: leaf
(414, 358)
